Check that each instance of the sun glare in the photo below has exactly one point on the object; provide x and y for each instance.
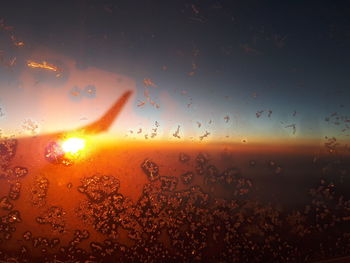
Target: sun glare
(73, 145)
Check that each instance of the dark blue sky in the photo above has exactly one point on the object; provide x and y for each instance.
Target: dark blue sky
(226, 57)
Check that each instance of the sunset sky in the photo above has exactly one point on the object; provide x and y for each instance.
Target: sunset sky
(238, 70)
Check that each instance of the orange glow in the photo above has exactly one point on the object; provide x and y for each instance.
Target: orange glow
(19, 44)
(43, 65)
(16, 42)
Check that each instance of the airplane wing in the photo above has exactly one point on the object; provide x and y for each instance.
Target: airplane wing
(103, 124)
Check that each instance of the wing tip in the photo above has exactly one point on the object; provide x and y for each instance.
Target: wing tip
(104, 122)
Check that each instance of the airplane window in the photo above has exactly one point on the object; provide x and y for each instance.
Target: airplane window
(174, 131)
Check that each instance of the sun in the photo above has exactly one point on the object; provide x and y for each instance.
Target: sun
(73, 145)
